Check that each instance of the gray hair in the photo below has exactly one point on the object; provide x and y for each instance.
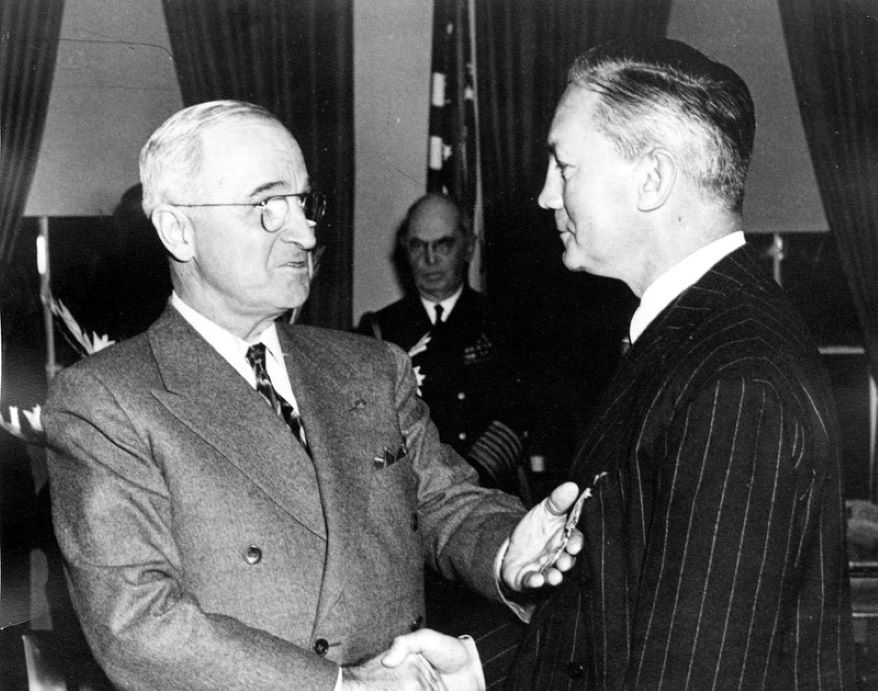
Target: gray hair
(171, 158)
(665, 93)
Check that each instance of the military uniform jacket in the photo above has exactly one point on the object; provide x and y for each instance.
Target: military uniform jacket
(470, 376)
(714, 550)
(206, 550)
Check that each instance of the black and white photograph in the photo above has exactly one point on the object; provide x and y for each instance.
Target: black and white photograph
(447, 345)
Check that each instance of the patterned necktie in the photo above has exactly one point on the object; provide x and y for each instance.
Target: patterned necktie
(256, 358)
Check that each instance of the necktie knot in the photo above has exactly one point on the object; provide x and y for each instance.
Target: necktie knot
(256, 356)
(439, 311)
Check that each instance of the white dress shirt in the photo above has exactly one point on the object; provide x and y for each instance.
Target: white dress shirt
(678, 278)
(447, 305)
(234, 349)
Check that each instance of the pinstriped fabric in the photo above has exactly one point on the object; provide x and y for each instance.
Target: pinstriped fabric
(714, 545)
(497, 649)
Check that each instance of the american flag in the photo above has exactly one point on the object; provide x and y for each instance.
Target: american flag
(453, 165)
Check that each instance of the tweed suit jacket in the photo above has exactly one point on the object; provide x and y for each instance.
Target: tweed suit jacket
(714, 550)
(204, 547)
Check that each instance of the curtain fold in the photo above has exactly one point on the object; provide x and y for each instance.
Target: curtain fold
(30, 31)
(833, 51)
(573, 321)
(296, 59)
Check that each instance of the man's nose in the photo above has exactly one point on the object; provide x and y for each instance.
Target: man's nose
(299, 230)
(430, 255)
(550, 196)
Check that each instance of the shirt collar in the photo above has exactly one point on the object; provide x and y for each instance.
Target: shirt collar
(447, 305)
(227, 344)
(678, 278)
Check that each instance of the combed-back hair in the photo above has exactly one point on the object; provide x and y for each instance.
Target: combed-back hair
(171, 158)
(664, 93)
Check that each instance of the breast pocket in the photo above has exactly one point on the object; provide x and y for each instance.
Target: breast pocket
(393, 494)
(390, 456)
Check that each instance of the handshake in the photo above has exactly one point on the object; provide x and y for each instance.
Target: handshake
(541, 548)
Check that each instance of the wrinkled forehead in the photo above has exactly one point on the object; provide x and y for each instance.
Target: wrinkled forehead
(433, 221)
(252, 147)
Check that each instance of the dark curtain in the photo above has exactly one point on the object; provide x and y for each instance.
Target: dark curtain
(29, 34)
(30, 31)
(296, 59)
(571, 324)
(833, 51)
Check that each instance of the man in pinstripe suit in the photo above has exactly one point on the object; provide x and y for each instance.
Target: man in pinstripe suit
(714, 549)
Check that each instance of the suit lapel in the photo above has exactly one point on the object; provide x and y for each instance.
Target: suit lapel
(334, 403)
(213, 401)
(658, 343)
(738, 270)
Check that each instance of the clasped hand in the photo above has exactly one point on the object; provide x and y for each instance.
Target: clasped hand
(536, 555)
(424, 659)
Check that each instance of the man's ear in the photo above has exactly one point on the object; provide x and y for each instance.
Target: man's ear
(657, 173)
(175, 231)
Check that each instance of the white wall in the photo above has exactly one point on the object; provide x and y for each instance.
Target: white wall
(747, 36)
(114, 84)
(391, 108)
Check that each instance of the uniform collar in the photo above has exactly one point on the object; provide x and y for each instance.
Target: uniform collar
(447, 305)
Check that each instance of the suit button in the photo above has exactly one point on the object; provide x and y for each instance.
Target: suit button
(417, 623)
(462, 436)
(575, 670)
(253, 555)
(321, 645)
(414, 522)
(461, 395)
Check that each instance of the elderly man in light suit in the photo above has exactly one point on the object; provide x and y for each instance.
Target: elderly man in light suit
(248, 505)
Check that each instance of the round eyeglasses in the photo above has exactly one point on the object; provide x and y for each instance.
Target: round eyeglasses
(274, 210)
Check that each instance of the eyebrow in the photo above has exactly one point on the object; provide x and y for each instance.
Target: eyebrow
(273, 186)
(450, 236)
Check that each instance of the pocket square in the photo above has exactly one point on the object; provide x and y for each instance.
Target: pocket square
(389, 457)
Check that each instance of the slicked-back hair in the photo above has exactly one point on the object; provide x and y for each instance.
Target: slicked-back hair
(171, 159)
(664, 93)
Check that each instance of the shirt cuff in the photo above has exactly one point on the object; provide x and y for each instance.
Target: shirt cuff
(522, 611)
